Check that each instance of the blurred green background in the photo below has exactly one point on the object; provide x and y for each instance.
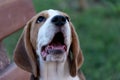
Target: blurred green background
(97, 23)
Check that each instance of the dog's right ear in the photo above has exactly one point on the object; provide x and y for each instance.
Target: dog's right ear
(24, 54)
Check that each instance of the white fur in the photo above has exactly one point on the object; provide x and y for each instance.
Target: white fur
(53, 70)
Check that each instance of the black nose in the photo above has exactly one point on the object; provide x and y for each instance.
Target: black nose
(59, 20)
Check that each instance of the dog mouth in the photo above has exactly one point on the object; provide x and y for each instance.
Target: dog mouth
(56, 47)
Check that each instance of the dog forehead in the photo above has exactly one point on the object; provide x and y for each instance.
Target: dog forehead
(52, 12)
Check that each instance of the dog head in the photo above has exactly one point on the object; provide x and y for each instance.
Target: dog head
(50, 37)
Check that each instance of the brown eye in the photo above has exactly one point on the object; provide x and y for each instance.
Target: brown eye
(40, 19)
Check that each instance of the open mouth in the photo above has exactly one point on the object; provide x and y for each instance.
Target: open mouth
(56, 46)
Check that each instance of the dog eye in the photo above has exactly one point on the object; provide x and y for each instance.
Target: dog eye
(67, 18)
(40, 19)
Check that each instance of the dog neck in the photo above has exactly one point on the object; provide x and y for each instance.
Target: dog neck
(55, 71)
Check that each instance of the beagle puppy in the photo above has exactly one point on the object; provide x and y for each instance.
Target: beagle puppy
(49, 48)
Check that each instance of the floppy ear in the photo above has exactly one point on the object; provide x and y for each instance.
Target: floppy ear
(77, 58)
(24, 54)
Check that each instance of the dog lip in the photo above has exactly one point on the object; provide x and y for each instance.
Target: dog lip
(55, 51)
(50, 49)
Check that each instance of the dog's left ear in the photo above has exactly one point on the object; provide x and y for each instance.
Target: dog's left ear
(24, 54)
(75, 57)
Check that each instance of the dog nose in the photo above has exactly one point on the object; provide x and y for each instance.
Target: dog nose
(59, 20)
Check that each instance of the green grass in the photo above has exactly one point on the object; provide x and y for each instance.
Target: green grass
(10, 43)
(98, 29)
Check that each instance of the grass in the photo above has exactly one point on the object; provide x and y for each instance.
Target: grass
(98, 29)
(10, 43)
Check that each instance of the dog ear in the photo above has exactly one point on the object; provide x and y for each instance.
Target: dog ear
(24, 54)
(75, 57)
